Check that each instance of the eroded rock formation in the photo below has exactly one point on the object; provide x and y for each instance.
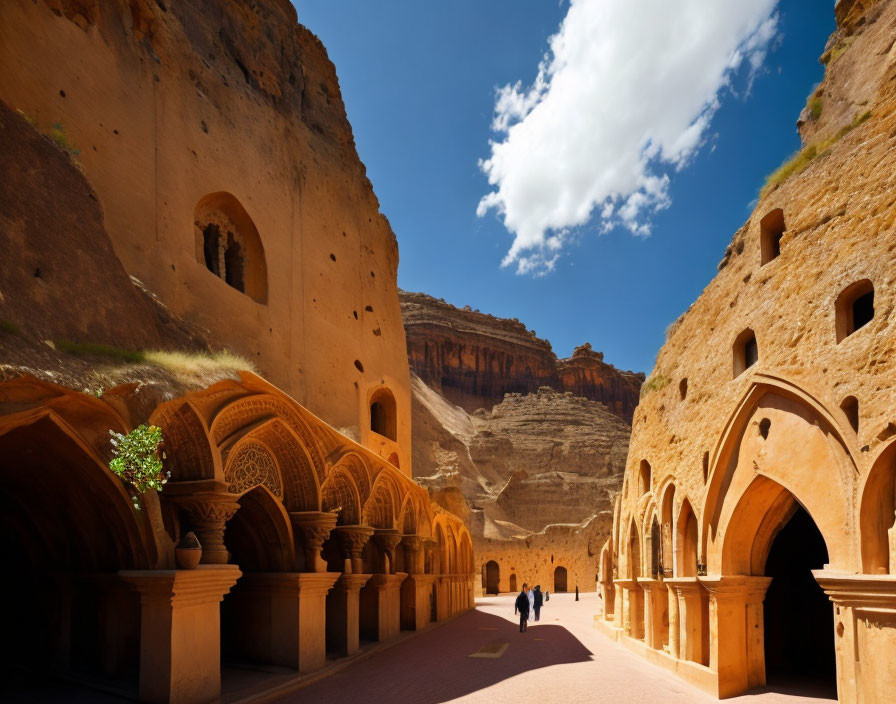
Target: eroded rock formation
(473, 359)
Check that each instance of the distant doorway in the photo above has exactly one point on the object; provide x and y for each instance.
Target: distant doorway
(560, 579)
(799, 629)
(513, 582)
(492, 577)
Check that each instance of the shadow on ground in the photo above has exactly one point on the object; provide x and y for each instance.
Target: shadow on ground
(437, 667)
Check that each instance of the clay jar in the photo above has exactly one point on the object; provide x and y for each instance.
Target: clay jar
(188, 552)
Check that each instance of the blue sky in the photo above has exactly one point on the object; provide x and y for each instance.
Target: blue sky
(419, 81)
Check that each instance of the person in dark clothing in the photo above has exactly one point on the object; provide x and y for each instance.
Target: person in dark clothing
(521, 606)
(539, 600)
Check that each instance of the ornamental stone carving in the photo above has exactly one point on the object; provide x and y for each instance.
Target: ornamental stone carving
(252, 465)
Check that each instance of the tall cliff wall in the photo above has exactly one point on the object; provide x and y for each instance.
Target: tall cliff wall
(473, 359)
(197, 118)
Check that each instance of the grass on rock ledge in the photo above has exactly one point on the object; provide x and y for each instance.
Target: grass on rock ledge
(179, 363)
(799, 161)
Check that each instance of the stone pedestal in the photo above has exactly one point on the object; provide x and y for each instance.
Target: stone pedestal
(281, 617)
(608, 596)
(380, 606)
(207, 512)
(416, 594)
(632, 607)
(441, 591)
(311, 529)
(737, 651)
(655, 612)
(352, 540)
(691, 598)
(180, 633)
(864, 608)
(343, 614)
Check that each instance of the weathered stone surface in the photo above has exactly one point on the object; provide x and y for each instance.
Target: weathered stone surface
(473, 359)
(201, 112)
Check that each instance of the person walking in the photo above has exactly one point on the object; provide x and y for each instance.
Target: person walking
(538, 601)
(531, 595)
(521, 606)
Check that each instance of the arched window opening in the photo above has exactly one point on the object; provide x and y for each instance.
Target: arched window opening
(850, 407)
(228, 244)
(666, 560)
(513, 582)
(854, 308)
(492, 577)
(560, 582)
(644, 478)
(656, 547)
(746, 352)
(383, 414)
(771, 230)
(687, 542)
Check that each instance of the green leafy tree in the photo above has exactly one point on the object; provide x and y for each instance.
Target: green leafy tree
(137, 459)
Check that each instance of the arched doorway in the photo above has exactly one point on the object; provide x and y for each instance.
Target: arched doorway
(492, 577)
(560, 579)
(513, 582)
(799, 632)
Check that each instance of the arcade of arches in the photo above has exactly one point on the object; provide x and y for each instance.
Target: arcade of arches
(787, 549)
(311, 544)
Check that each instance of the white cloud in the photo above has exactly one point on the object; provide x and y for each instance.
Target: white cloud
(625, 96)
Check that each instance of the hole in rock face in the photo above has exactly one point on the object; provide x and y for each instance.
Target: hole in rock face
(850, 407)
(369, 309)
(746, 352)
(683, 388)
(359, 366)
(355, 313)
(332, 257)
(771, 230)
(764, 426)
(854, 308)
(705, 466)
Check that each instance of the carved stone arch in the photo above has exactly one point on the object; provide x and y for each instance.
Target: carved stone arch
(633, 551)
(260, 535)
(686, 540)
(466, 543)
(877, 512)
(301, 490)
(339, 494)
(244, 413)
(783, 433)
(380, 509)
(358, 467)
(189, 454)
(46, 466)
(409, 515)
(252, 463)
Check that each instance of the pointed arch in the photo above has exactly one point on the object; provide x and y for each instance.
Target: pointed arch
(380, 509)
(260, 536)
(190, 455)
(339, 494)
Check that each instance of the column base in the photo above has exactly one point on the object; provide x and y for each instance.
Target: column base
(380, 606)
(343, 624)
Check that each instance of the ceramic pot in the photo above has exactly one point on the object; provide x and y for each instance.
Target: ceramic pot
(188, 552)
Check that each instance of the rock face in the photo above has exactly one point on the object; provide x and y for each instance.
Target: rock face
(473, 359)
(782, 421)
(215, 139)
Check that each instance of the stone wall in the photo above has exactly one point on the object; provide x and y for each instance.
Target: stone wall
(176, 107)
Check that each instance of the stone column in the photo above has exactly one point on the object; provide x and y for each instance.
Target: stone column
(343, 613)
(311, 529)
(618, 608)
(655, 605)
(737, 643)
(414, 554)
(353, 539)
(380, 613)
(864, 608)
(208, 513)
(674, 628)
(691, 598)
(180, 633)
(387, 540)
(416, 592)
(281, 617)
(608, 597)
(632, 607)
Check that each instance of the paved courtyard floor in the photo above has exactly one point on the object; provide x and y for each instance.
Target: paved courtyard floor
(563, 658)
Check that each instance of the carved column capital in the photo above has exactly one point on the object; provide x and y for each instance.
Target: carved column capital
(352, 539)
(311, 529)
(208, 513)
(413, 545)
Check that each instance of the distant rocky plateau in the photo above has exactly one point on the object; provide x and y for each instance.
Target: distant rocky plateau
(507, 435)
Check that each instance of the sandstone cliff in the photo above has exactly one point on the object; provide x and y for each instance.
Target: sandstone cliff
(473, 359)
